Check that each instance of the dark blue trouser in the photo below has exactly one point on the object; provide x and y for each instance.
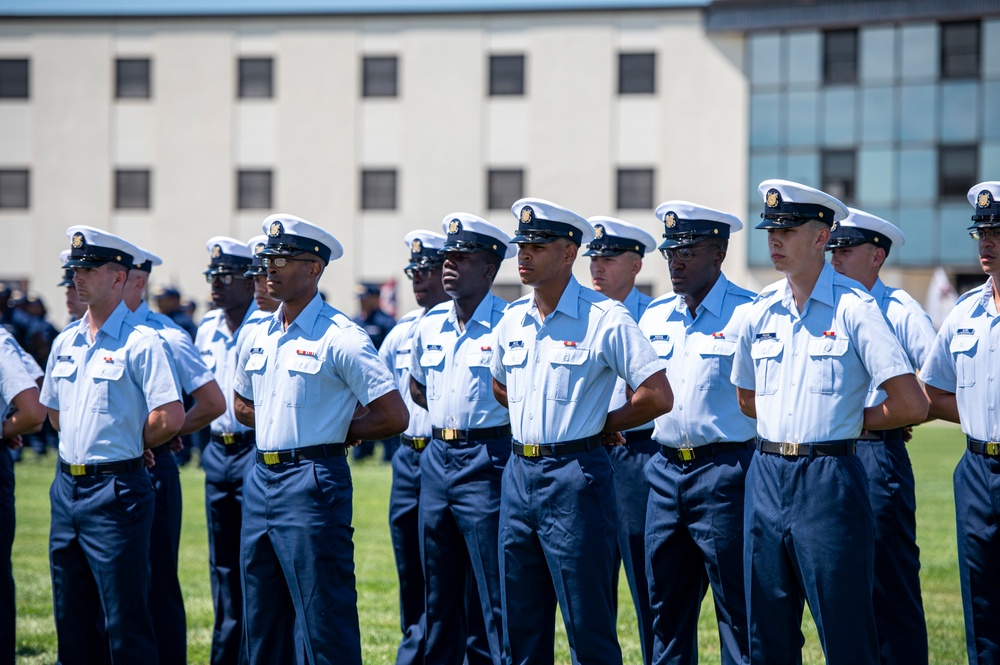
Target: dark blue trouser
(225, 467)
(8, 611)
(99, 553)
(166, 600)
(558, 534)
(298, 564)
(809, 536)
(459, 535)
(694, 537)
(977, 511)
(632, 492)
(404, 500)
(899, 610)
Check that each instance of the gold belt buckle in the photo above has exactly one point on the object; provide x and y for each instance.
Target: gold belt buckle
(531, 450)
(419, 442)
(789, 449)
(685, 454)
(77, 469)
(993, 448)
(228, 439)
(449, 434)
(272, 458)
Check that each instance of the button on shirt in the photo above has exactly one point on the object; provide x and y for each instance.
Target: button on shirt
(909, 322)
(14, 374)
(560, 372)
(397, 353)
(454, 365)
(220, 351)
(636, 303)
(811, 371)
(191, 371)
(304, 382)
(104, 388)
(964, 360)
(698, 356)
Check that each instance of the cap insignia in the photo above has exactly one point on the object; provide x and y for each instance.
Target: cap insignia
(275, 230)
(836, 225)
(258, 248)
(77, 240)
(454, 227)
(416, 246)
(598, 231)
(527, 215)
(216, 251)
(985, 200)
(773, 198)
(670, 220)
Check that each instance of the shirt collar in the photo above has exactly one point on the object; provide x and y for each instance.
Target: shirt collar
(569, 302)
(483, 314)
(712, 302)
(631, 303)
(878, 290)
(306, 320)
(822, 291)
(142, 311)
(986, 297)
(112, 327)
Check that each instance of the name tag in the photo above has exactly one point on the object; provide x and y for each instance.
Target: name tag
(659, 338)
(965, 331)
(433, 347)
(515, 345)
(767, 335)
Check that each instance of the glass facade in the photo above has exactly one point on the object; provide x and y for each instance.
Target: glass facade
(920, 113)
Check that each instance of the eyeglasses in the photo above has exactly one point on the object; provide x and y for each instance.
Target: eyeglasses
(985, 234)
(682, 253)
(226, 278)
(424, 271)
(280, 261)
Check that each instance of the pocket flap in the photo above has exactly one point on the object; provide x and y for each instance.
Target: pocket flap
(256, 361)
(515, 357)
(304, 364)
(766, 348)
(828, 347)
(63, 370)
(567, 355)
(431, 358)
(962, 343)
(663, 347)
(208, 358)
(717, 347)
(108, 371)
(480, 358)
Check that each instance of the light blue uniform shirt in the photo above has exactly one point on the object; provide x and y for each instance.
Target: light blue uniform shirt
(31, 366)
(14, 373)
(455, 365)
(396, 352)
(636, 303)
(306, 381)
(964, 360)
(698, 355)
(220, 351)
(191, 371)
(560, 372)
(104, 388)
(909, 322)
(811, 371)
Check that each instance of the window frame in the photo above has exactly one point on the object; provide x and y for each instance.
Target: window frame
(5, 87)
(246, 189)
(244, 89)
(826, 185)
(630, 201)
(945, 58)
(645, 86)
(367, 82)
(957, 190)
(496, 86)
(493, 195)
(134, 195)
(147, 92)
(831, 68)
(17, 204)
(369, 198)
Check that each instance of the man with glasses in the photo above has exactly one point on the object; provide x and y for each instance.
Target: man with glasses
(424, 272)
(229, 451)
(615, 259)
(810, 347)
(960, 379)
(256, 272)
(207, 402)
(299, 378)
(859, 247)
(461, 467)
(111, 392)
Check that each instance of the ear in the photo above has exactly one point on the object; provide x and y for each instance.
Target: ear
(491, 271)
(720, 256)
(823, 237)
(878, 257)
(636, 267)
(571, 251)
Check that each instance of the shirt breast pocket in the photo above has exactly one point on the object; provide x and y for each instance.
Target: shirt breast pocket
(665, 350)
(766, 354)
(716, 362)
(208, 358)
(566, 374)
(402, 369)
(963, 350)
(432, 363)
(106, 378)
(826, 365)
(514, 364)
(301, 371)
(480, 385)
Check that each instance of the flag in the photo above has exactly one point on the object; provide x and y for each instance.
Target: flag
(940, 298)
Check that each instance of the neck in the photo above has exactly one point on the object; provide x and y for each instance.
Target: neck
(803, 282)
(466, 307)
(547, 295)
(694, 300)
(99, 314)
(290, 309)
(621, 293)
(234, 316)
(869, 281)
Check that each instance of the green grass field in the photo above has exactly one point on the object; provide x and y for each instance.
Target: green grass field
(934, 451)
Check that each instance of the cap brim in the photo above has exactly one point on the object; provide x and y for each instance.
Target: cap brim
(606, 252)
(776, 224)
(82, 263)
(534, 240)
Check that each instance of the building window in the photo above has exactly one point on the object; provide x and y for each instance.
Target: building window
(378, 76)
(506, 75)
(132, 78)
(503, 187)
(378, 189)
(837, 172)
(636, 73)
(256, 77)
(957, 170)
(132, 189)
(840, 56)
(14, 184)
(960, 50)
(13, 78)
(253, 189)
(635, 189)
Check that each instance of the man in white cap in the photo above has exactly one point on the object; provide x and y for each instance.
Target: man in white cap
(111, 392)
(859, 247)
(265, 303)
(461, 467)
(207, 402)
(811, 345)
(959, 376)
(74, 308)
(694, 521)
(298, 380)
(424, 273)
(615, 260)
(229, 451)
(556, 356)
